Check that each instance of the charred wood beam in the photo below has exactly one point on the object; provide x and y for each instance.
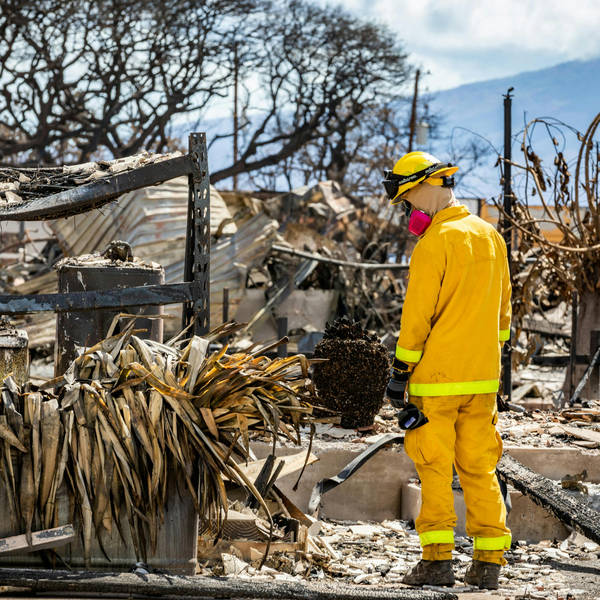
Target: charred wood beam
(341, 263)
(559, 360)
(146, 295)
(545, 492)
(93, 195)
(104, 584)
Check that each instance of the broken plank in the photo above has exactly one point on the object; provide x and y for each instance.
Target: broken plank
(240, 525)
(545, 492)
(208, 550)
(292, 463)
(544, 327)
(582, 434)
(40, 540)
(130, 584)
(526, 389)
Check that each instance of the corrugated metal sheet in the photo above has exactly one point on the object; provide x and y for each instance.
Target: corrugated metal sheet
(153, 220)
(140, 217)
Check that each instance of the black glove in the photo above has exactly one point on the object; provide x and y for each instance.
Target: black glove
(396, 388)
(410, 417)
(396, 391)
(501, 403)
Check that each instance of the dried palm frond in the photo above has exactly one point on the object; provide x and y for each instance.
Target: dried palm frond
(128, 415)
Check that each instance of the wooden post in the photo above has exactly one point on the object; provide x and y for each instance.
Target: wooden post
(413, 113)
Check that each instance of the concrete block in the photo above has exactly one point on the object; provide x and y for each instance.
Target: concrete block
(527, 521)
(375, 492)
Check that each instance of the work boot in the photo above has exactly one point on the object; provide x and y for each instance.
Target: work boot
(430, 572)
(482, 574)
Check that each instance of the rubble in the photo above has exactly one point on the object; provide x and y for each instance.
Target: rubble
(379, 554)
(129, 419)
(311, 252)
(252, 255)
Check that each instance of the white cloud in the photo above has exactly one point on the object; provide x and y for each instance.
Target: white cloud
(471, 40)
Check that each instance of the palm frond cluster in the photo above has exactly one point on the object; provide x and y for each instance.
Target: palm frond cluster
(127, 416)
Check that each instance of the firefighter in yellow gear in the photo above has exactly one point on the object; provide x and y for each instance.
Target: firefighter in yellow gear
(455, 319)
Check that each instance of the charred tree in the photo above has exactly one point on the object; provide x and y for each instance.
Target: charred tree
(84, 79)
(548, 269)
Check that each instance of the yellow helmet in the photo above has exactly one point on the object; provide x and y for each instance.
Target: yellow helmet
(414, 168)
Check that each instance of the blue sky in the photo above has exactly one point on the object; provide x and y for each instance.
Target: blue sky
(463, 41)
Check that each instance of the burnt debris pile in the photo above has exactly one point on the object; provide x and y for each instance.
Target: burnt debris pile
(353, 379)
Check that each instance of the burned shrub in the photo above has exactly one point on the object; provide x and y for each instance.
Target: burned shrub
(354, 378)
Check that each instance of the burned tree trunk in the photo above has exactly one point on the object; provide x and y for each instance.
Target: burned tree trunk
(543, 491)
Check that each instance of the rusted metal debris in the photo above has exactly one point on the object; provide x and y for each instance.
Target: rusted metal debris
(82, 187)
(353, 253)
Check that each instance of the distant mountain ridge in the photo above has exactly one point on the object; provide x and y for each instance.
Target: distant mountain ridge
(569, 92)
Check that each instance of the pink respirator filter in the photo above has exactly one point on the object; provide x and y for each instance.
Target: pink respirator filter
(418, 222)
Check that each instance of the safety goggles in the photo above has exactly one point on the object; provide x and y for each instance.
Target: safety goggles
(393, 181)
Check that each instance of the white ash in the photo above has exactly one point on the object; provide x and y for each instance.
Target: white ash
(379, 554)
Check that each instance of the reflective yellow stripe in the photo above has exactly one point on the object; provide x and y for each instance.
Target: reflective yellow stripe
(504, 335)
(437, 537)
(492, 543)
(412, 356)
(456, 388)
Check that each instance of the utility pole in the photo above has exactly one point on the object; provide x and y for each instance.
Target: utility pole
(413, 112)
(236, 67)
(507, 230)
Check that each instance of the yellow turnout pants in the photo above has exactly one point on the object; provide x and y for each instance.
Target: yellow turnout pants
(461, 432)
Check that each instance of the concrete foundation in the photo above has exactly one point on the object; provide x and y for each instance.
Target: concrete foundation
(381, 489)
(527, 521)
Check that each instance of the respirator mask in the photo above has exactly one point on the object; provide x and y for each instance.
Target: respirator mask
(396, 186)
(418, 221)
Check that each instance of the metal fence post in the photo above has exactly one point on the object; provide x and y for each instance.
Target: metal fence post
(225, 305)
(197, 255)
(507, 231)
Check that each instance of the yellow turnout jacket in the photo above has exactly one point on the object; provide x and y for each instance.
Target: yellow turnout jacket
(456, 314)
